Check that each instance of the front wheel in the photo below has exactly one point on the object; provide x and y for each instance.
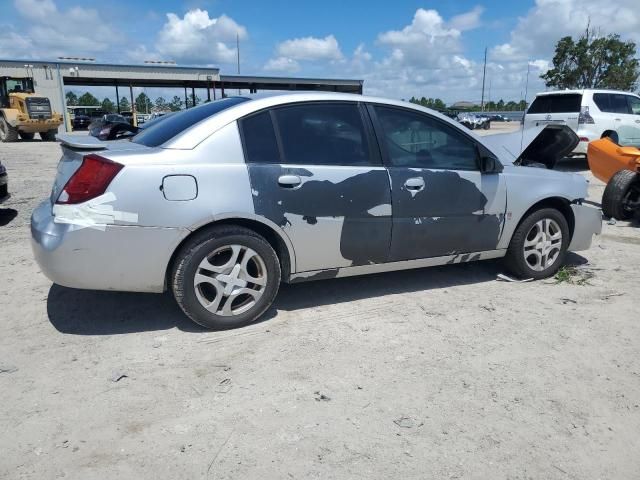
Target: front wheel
(225, 277)
(539, 245)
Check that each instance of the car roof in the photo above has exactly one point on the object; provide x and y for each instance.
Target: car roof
(581, 92)
(194, 135)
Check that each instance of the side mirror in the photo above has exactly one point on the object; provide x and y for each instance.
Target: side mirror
(489, 164)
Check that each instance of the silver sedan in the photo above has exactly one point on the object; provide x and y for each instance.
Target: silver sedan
(222, 202)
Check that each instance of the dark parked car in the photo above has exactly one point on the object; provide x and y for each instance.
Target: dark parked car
(4, 184)
(96, 127)
(119, 130)
(499, 118)
(81, 122)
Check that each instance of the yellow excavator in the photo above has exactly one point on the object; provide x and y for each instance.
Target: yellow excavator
(23, 113)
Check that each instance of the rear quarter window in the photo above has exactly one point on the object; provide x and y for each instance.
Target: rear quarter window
(612, 102)
(558, 103)
(164, 131)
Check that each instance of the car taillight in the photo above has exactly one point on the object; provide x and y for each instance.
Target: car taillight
(584, 116)
(90, 180)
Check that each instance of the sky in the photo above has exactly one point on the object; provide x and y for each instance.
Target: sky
(400, 48)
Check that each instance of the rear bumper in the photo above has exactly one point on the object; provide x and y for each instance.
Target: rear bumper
(124, 258)
(581, 148)
(588, 222)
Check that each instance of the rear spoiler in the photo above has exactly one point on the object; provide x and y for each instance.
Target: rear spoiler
(81, 142)
(534, 145)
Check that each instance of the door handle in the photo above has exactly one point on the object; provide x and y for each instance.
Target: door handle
(415, 183)
(637, 121)
(617, 119)
(289, 181)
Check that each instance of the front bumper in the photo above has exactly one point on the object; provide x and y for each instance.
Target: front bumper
(588, 222)
(37, 125)
(112, 257)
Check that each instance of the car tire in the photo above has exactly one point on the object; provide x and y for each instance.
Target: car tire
(212, 273)
(621, 196)
(539, 245)
(49, 135)
(7, 132)
(26, 135)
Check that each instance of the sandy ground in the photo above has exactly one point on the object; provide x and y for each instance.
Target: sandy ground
(433, 373)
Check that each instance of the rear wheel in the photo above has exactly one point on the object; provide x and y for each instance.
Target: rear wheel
(7, 132)
(225, 277)
(621, 197)
(49, 135)
(539, 245)
(26, 135)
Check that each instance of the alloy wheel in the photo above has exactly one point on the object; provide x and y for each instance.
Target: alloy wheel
(230, 280)
(543, 244)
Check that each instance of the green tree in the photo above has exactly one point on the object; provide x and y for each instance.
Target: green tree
(176, 104)
(594, 61)
(125, 105)
(72, 99)
(190, 101)
(436, 103)
(500, 105)
(88, 100)
(108, 106)
(143, 103)
(161, 104)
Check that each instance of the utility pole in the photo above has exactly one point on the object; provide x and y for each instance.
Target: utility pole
(238, 52)
(526, 86)
(484, 75)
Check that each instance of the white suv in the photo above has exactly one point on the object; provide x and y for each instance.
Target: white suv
(590, 113)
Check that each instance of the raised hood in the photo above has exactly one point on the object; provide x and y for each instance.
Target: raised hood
(543, 145)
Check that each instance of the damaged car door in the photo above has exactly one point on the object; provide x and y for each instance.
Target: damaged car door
(443, 204)
(315, 173)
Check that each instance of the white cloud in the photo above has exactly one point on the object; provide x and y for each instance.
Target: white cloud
(51, 32)
(427, 41)
(538, 31)
(282, 64)
(198, 38)
(291, 52)
(468, 20)
(310, 48)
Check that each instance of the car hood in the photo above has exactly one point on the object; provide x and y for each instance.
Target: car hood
(535, 145)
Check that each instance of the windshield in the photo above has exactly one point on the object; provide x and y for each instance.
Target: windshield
(168, 128)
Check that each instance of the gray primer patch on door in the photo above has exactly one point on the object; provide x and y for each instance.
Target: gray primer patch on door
(364, 238)
(445, 218)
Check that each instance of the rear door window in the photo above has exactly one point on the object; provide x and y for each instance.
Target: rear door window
(323, 134)
(556, 103)
(164, 131)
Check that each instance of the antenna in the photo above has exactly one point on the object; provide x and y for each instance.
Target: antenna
(526, 88)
